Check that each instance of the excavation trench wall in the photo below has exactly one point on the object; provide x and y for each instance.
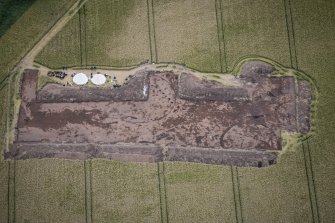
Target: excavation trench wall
(142, 153)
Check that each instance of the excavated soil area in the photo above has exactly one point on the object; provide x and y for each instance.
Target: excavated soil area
(160, 115)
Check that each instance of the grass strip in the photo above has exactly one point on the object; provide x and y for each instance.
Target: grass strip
(235, 203)
(310, 181)
(85, 39)
(88, 191)
(152, 35)
(8, 112)
(313, 179)
(4, 100)
(295, 58)
(290, 33)
(219, 30)
(305, 144)
(223, 38)
(11, 192)
(237, 195)
(8, 193)
(162, 192)
(154, 30)
(91, 191)
(82, 35)
(4, 198)
(165, 192)
(149, 26)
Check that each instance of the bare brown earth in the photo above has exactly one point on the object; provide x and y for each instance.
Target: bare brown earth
(160, 115)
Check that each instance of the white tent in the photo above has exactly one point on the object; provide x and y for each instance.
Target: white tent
(80, 79)
(98, 79)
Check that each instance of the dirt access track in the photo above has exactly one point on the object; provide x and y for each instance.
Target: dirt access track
(164, 115)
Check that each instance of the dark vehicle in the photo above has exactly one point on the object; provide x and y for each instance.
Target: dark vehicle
(57, 74)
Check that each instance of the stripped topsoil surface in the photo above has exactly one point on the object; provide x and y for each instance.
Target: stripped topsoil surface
(179, 115)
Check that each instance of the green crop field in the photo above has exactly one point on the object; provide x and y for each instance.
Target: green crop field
(186, 32)
(65, 47)
(3, 191)
(117, 32)
(205, 35)
(112, 33)
(124, 192)
(28, 29)
(280, 192)
(199, 193)
(255, 28)
(10, 11)
(314, 32)
(49, 191)
(3, 116)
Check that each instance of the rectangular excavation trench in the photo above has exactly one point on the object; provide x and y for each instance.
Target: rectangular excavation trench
(162, 116)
